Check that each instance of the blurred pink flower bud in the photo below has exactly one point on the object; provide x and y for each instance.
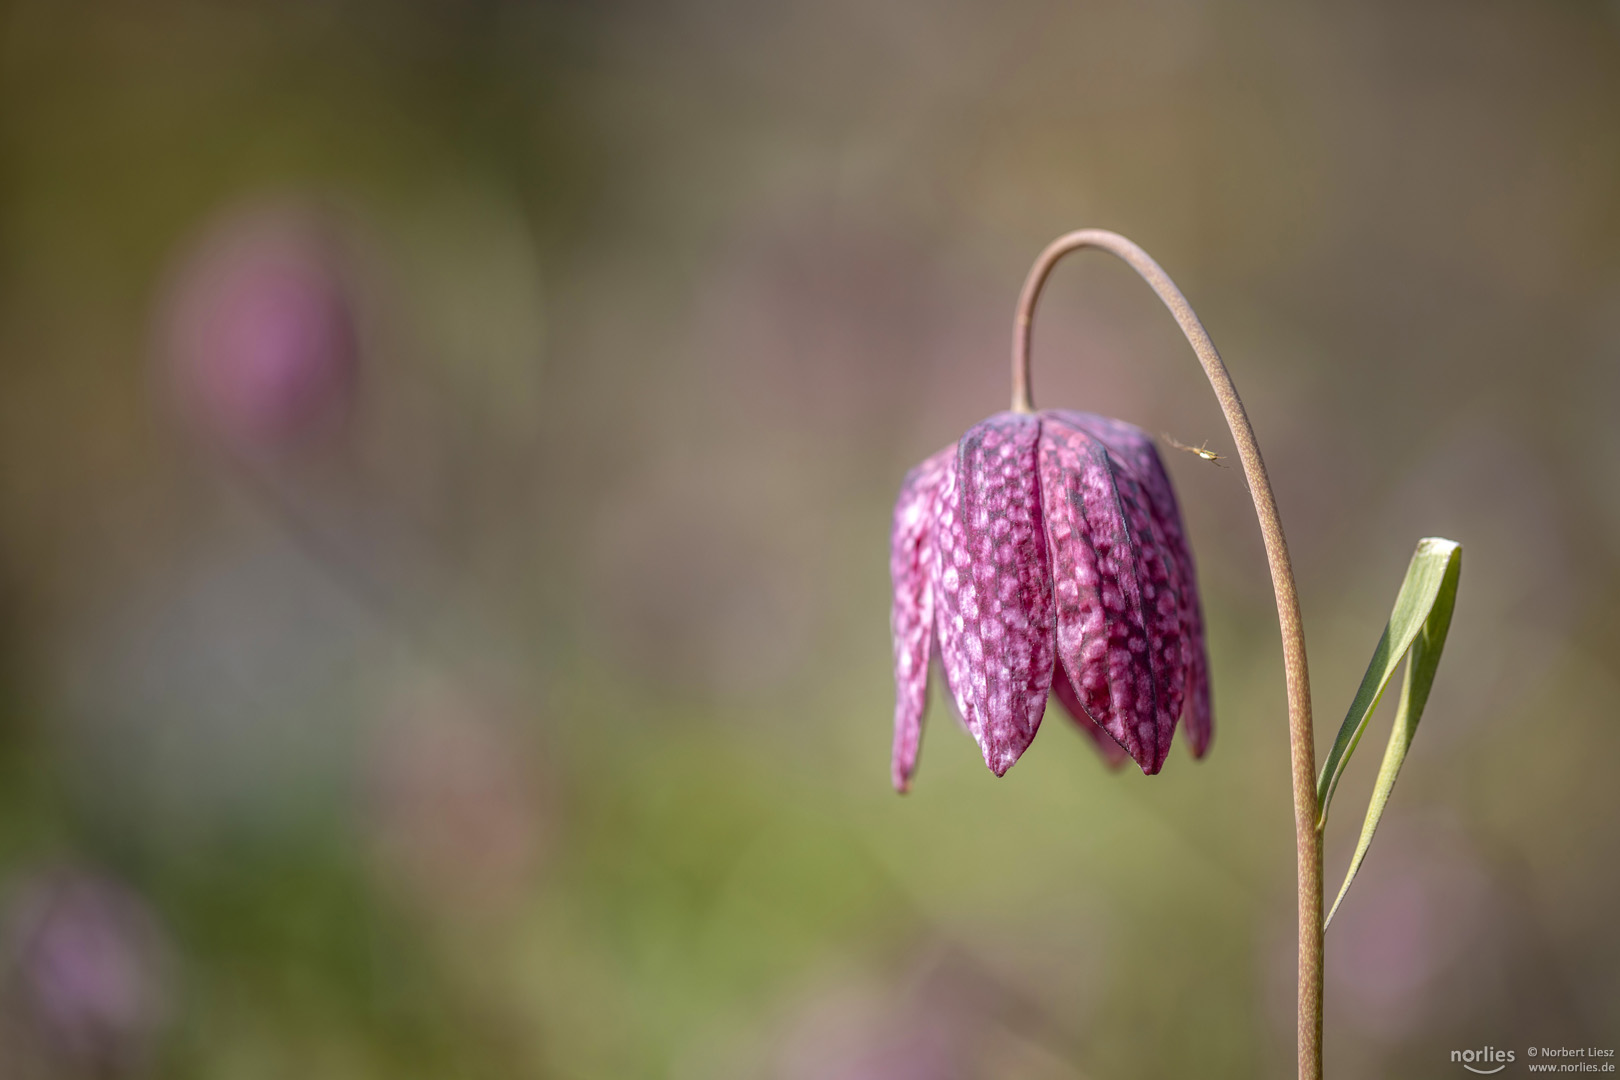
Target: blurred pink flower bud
(90, 963)
(259, 330)
(1044, 552)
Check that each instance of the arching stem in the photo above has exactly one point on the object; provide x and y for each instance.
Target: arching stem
(1307, 840)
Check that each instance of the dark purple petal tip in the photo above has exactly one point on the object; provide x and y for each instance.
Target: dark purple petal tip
(1113, 754)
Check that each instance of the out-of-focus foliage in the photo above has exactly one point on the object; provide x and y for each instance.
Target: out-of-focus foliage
(516, 704)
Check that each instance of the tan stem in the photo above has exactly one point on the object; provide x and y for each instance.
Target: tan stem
(1302, 742)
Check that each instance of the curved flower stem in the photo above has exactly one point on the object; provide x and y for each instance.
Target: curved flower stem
(1307, 840)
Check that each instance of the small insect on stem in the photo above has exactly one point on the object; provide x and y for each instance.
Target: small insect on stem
(1202, 451)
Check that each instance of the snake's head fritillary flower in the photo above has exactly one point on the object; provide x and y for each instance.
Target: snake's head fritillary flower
(1044, 554)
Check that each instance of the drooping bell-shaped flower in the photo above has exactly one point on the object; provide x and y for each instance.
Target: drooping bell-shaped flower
(1044, 554)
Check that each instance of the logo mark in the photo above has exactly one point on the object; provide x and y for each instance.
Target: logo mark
(1481, 1061)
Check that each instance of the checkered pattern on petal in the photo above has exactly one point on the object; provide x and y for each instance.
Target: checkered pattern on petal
(993, 592)
(911, 618)
(1135, 447)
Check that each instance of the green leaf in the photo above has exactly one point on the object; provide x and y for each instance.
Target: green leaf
(1420, 622)
(1412, 607)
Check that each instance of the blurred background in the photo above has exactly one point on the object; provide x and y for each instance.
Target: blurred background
(446, 457)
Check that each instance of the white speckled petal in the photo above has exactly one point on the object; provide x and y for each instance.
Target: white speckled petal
(911, 619)
(993, 587)
(1135, 448)
(1103, 637)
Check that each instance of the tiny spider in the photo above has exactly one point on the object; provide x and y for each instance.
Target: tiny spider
(1202, 451)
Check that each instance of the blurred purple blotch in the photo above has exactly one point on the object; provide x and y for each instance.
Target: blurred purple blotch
(1425, 922)
(89, 963)
(1044, 553)
(259, 330)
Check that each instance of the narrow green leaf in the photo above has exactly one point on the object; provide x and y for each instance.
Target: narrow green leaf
(1420, 669)
(1412, 606)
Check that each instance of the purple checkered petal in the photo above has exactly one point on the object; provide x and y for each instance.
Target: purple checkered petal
(1112, 753)
(1154, 568)
(993, 586)
(911, 619)
(1103, 635)
(1133, 446)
